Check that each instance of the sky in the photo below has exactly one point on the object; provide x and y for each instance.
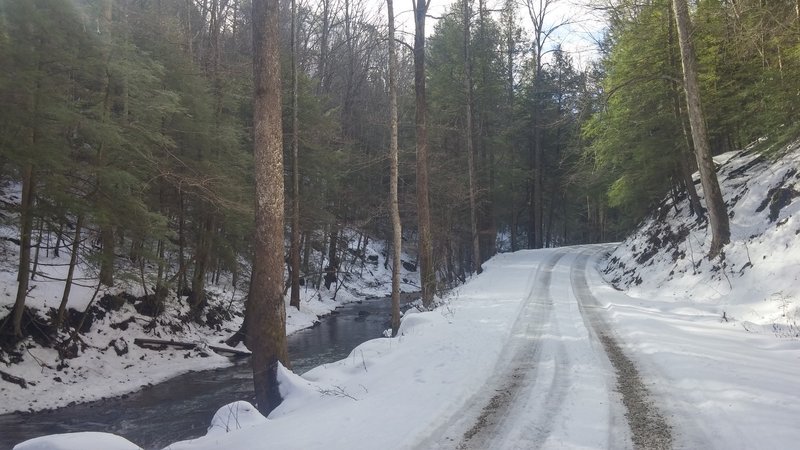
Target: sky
(578, 38)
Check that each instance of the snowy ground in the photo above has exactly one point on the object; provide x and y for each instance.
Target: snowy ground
(523, 356)
(756, 284)
(440, 383)
(100, 370)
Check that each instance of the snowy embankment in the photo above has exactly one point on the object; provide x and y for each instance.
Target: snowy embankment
(108, 363)
(715, 341)
(755, 284)
(717, 386)
(391, 393)
(719, 339)
(720, 380)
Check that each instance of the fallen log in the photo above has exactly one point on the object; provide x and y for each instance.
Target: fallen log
(12, 379)
(229, 351)
(160, 344)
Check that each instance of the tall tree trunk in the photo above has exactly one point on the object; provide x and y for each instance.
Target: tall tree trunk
(26, 229)
(509, 23)
(38, 247)
(294, 251)
(332, 270)
(717, 212)
(202, 254)
(425, 247)
(683, 153)
(393, 175)
(181, 244)
(266, 310)
(538, 172)
(324, 82)
(106, 227)
(73, 259)
(160, 256)
(473, 213)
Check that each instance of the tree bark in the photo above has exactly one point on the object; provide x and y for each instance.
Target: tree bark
(394, 175)
(26, 229)
(717, 212)
(38, 247)
(294, 251)
(106, 227)
(473, 213)
(266, 310)
(684, 153)
(197, 300)
(426, 269)
(73, 259)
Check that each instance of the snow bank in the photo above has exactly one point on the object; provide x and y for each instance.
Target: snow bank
(78, 441)
(756, 282)
(390, 393)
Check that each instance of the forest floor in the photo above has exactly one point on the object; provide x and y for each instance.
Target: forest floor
(642, 344)
(104, 361)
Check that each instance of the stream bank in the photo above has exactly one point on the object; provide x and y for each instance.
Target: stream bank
(182, 407)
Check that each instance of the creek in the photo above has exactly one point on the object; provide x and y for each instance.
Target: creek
(181, 407)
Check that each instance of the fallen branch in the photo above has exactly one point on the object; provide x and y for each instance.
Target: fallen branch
(12, 379)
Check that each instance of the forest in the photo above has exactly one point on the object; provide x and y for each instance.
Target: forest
(128, 129)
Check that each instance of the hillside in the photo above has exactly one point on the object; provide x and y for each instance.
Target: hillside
(754, 283)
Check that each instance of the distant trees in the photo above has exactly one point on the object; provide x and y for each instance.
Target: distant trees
(128, 129)
(646, 123)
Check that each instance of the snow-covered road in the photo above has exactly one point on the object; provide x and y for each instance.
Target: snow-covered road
(555, 386)
(540, 352)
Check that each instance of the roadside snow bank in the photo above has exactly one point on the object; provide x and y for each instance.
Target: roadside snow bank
(756, 282)
(719, 385)
(389, 393)
(78, 441)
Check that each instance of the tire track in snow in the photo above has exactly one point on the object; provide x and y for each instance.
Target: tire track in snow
(522, 370)
(649, 429)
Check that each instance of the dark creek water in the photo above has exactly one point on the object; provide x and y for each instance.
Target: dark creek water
(181, 408)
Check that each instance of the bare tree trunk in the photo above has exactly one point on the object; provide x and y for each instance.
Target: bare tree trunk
(266, 310)
(26, 229)
(473, 213)
(394, 175)
(426, 270)
(323, 48)
(38, 247)
(197, 300)
(683, 154)
(294, 251)
(332, 271)
(106, 228)
(160, 256)
(73, 259)
(717, 212)
(181, 245)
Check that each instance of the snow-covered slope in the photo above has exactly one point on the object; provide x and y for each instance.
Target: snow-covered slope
(754, 284)
(106, 362)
